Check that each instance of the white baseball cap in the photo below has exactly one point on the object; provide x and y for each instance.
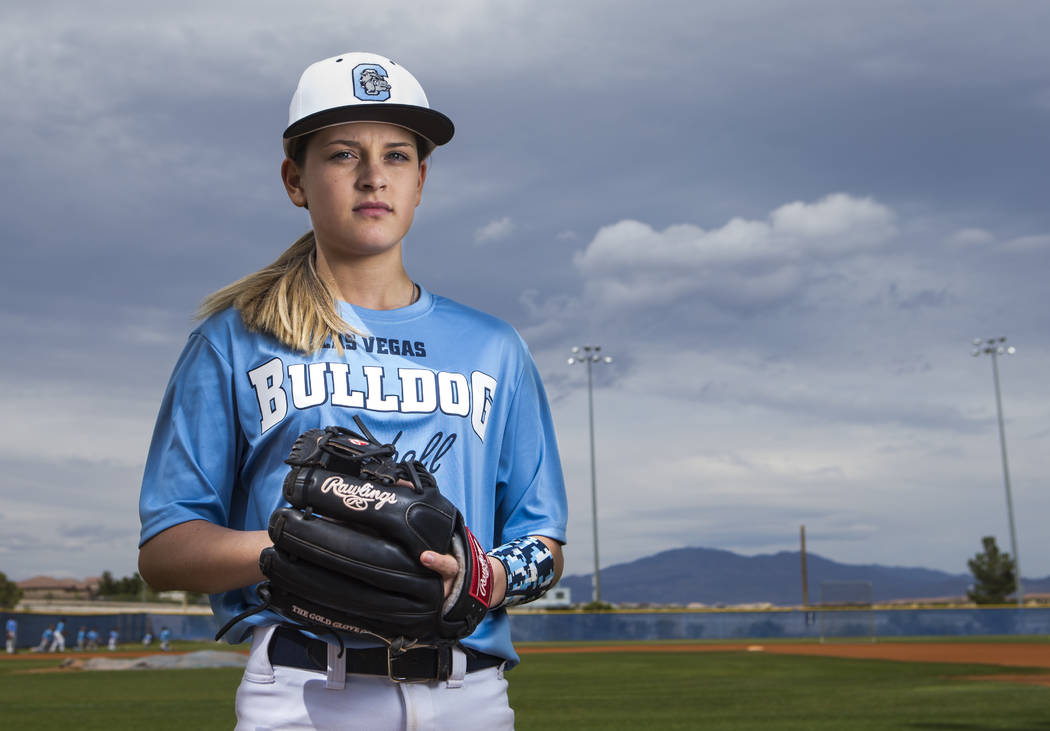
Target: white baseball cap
(362, 87)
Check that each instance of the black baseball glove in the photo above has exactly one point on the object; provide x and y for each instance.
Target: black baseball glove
(346, 553)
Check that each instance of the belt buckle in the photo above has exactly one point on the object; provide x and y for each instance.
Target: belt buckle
(399, 676)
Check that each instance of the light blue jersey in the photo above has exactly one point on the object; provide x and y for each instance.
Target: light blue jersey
(448, 385)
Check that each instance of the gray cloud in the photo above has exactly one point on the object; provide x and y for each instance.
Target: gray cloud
(743, 264)
(495, 230)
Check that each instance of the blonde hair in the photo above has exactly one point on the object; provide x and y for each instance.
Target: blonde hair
(287, 300)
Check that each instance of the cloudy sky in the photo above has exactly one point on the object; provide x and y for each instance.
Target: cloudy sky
(785, 221)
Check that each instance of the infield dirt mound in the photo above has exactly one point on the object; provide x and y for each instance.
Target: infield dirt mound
(1010, 654)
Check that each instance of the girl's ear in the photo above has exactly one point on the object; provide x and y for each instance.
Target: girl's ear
(422, 179)
(293, 183)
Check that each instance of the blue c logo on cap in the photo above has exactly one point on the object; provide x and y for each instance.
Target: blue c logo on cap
(370, 83)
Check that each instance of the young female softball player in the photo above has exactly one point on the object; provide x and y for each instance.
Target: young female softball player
(334, 328)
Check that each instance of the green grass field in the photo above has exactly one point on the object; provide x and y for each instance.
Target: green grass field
(735, 691)
(744, 691)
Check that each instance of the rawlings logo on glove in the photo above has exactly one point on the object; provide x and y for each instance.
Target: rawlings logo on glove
(358, 497)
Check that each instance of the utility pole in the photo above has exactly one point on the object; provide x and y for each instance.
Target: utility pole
(995, 347)
(805, 575)
(591, 355)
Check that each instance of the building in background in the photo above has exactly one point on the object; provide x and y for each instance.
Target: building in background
(50, 589)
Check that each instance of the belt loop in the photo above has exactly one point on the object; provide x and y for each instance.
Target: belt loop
(336, 679)
(459, 668)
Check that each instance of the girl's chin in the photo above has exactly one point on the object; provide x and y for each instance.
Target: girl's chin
(359, 247)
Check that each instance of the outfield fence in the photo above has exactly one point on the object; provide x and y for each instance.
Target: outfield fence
(793, 623)
(131, 626)
(608, 626)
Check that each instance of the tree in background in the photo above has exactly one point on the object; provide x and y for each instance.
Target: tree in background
(994, 573)
(128, 587)
(10, 594)
(106, 585)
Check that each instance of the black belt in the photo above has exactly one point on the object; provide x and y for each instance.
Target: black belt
(293, 649)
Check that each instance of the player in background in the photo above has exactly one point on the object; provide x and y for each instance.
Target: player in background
(45, 639)
(11, 632)
(92, 639)
(114, 635)
(147, 639)
(165, 639)
(335, 328)
(58, 640)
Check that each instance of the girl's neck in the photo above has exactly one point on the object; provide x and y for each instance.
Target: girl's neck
(374, 283)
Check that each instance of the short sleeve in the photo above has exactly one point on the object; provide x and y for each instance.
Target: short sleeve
(530, 486)
(191, 467)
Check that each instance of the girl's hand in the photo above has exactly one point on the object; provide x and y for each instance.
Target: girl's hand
(445, 564)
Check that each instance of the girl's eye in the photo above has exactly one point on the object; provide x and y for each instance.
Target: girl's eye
(399, 156)
(343, 155)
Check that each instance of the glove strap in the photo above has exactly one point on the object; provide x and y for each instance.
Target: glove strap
(530, 569)
(263, 592)
(459, 669)
(336, 677)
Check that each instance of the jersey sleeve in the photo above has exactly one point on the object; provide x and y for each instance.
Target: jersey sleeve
(191, 467)
(530, 487)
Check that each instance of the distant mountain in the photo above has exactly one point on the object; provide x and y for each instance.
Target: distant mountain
(712, 577)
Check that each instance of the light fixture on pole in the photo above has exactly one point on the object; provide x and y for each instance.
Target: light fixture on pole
(588, 355)
(996, 347)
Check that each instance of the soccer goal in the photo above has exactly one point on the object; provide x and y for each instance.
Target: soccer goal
(846, 611)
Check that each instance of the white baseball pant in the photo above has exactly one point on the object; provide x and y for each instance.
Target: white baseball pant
(277, 697)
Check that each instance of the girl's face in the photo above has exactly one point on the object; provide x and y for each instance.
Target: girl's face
(361, 183)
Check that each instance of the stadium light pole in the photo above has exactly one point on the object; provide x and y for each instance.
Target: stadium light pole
(996, 347)
(587, 355)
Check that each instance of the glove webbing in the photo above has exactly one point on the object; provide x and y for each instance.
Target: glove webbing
(376, 453)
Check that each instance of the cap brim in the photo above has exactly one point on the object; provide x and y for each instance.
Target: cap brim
(433, 125)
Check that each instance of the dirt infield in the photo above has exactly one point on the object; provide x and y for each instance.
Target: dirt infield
(1018, 655)
(1015, 655)
(27, 655)
(1009, 654)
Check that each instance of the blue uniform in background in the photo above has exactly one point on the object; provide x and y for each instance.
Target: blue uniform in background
(448, 385)
(58, 639)
(11, 634)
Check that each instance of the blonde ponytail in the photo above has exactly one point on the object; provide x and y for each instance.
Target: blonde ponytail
(287, 300)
